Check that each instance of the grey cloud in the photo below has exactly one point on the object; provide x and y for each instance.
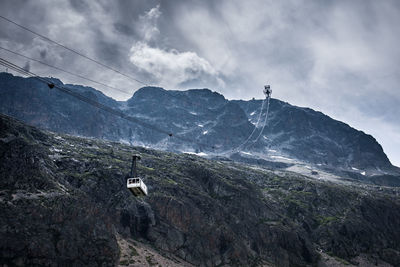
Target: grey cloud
(43, 54)
(124, 29)
(79, 6)
(27, 66)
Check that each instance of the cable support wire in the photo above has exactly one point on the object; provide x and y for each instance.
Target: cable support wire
(73, 51)
(254, 130)
(63, 70)
(91, 59)
(9, 66)
(97, 104)
(265, 123)
(83, 77)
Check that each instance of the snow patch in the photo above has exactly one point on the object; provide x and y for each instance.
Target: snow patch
(178, 125)
(193, 113)
(280, 157)
(246, 153)
(355, 169)
(251, 114)
(124, 141)
(205, 132)
(200, 125)
(201, 154)
(272, 150)
(363, 173)
(124, 105)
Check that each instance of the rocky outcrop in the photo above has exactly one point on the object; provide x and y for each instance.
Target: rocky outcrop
(45, 221)
(63, 202)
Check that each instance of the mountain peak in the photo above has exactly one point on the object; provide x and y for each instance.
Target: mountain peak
(147, 92)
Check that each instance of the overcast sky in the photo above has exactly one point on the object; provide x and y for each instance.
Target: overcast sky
(338, 57)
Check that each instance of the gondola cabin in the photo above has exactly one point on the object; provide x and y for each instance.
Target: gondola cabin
(134, 183)
(137, 187)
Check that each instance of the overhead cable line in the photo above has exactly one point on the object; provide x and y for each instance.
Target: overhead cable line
(265, 123)
(63, 70)
(267, 91)
(98, 104)
(254, 130)
(74, 51)
(88, 79)
(94, 60)
(13, 68)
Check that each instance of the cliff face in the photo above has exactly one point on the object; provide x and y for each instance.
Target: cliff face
(44, 220)
(64, 202)
(198, 114)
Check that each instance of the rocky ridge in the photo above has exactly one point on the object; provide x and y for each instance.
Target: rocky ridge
(201, 115)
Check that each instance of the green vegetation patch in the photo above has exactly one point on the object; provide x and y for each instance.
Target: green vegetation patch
(124, 262)
(150, 259)
(133, 251)
(323, 220)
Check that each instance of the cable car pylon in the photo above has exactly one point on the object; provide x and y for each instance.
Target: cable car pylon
(267, 92)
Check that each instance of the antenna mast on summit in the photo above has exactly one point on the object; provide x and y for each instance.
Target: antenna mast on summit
(267, 91)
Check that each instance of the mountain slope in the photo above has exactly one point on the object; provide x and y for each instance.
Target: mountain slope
(64, 202)
(204, 116)
(315, 137)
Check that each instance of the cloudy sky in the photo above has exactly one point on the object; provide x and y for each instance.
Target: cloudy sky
(339, 57)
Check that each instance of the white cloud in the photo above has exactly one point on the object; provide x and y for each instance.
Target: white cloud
(168, 67)
(210, 35)
(148, 24)
(172, 68)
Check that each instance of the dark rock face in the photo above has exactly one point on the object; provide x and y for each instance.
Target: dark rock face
(56, 231)
(198, 114)
(44, 222)
(63, 200)
(32, 101)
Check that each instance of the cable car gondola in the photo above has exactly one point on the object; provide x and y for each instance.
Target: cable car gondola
(134, 183)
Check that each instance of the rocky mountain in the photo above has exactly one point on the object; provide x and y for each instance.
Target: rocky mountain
(64, 202)
(217, 125)
(312, 136)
